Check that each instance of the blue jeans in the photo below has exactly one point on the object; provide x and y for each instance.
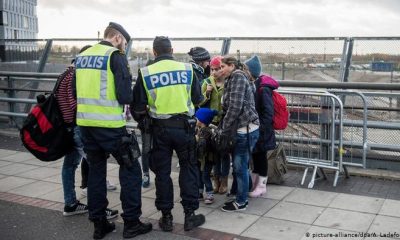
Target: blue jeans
(222, 165)
(71, 162)
(205, 174)
(241, 155)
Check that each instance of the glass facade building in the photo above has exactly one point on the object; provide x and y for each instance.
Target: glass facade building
(18, 21)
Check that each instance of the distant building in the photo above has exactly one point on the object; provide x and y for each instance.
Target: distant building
(18, 20)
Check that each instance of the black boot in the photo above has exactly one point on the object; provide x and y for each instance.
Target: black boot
(165, 221)
(134, 228)
(192, 220)
(102, 227)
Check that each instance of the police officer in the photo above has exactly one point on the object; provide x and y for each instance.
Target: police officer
(170, 90)
(103, 86)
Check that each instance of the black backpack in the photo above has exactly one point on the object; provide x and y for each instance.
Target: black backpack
(44, 132)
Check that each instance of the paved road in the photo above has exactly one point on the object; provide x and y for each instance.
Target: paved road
(27, 222)
(12, 143)
(366, 186)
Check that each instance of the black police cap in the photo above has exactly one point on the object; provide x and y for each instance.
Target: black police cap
(120, 29)
(162, 41)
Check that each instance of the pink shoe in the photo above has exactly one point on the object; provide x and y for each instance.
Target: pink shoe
(254, 181)
(260, 189)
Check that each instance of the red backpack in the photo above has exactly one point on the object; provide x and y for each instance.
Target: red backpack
(44, 132)
(281, 114)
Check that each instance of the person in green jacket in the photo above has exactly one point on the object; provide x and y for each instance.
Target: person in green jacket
(212, 89)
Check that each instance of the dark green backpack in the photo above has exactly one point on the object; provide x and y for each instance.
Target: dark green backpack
(277, 165)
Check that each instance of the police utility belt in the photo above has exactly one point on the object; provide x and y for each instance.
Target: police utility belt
(177, 121)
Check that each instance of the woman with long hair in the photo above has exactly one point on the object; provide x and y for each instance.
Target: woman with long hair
(241, 123)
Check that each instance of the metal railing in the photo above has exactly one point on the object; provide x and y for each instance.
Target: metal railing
(352, 123)
(383, 121)
(375, 142)
(312, 138)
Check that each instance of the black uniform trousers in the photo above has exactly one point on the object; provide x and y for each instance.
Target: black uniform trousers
(167, 138)
(99, 143)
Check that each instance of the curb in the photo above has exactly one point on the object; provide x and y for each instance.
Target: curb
(199, 233)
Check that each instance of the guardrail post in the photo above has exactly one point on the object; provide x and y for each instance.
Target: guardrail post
(11, 94)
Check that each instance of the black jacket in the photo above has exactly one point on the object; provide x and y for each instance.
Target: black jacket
(265, 110)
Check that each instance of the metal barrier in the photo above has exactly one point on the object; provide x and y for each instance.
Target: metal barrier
(383, 128)
(380, 149)
(355, 144)
(312, 138)
(352, 123)
(19, 95)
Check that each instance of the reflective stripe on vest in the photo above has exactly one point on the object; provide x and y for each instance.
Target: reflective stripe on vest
(168, 85)
(96, 96)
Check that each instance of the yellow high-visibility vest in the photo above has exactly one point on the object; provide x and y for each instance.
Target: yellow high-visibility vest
(95, 89)
(168, 85)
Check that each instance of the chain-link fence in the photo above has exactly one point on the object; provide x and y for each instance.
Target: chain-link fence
(311, 59)
(375, 60)
(331, 59)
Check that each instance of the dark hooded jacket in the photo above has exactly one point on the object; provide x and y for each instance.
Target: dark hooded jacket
(200, 72)
(265, 109)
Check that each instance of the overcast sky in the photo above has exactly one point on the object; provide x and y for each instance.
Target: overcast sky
(216, 18)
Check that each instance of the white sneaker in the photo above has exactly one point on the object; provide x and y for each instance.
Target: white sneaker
(110, 186)
(209, 198)
(84, 192)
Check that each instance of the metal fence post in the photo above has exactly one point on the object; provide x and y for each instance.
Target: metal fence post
(226, 44)
(343, 59)
(42, 64)
(348, 60)
(11, 94)
(325, 134)
(128, 49)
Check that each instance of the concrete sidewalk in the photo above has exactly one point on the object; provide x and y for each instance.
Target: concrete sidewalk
(284, 213)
